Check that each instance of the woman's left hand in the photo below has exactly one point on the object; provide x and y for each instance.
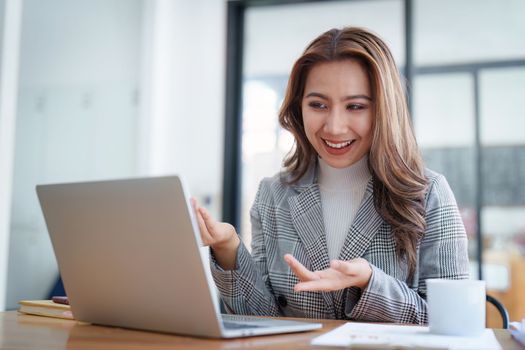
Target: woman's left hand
(341, 274)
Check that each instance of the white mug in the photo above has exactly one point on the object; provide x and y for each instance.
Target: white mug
(456, 307)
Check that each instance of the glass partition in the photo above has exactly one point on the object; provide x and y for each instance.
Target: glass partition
(470, 64)
(275, 37)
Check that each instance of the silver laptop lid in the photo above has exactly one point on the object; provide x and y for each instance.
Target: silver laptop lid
(124, 248)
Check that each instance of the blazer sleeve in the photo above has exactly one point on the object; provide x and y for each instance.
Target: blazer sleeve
(442, 254)
(246, 289)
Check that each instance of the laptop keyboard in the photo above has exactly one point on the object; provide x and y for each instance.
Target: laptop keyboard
(242, 322)
(242, 318)
(237, 325)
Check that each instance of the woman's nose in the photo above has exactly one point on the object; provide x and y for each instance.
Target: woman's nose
(336, 122)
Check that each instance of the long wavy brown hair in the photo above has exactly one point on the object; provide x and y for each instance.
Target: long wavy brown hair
(395, 162)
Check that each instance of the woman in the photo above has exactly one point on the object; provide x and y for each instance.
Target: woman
(355, 224)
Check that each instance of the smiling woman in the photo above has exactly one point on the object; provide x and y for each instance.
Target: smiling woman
(337, 112)
(354, 224)
(356, 63)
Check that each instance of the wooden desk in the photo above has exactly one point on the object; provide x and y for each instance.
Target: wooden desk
(18, 331)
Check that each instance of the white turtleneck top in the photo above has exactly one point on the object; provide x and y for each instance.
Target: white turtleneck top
(342, 191)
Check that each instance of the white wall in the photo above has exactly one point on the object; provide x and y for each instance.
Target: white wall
(10, 14)
(110, 88)
(183, 98)
(77, 117)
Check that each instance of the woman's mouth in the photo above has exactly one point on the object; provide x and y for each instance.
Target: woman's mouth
(338, 147)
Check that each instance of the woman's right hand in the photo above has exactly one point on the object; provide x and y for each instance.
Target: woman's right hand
(220, 236)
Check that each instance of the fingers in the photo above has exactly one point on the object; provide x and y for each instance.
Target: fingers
(341, 274)
(205, 234)
(357, 271)
(327, 280)
(299, 270)
(322, 285)
(207, 218)
(346, 267)
(210, 222)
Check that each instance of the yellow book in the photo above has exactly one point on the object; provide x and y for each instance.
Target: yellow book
(45, 308)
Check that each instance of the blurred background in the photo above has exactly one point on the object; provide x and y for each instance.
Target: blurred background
(97, 89)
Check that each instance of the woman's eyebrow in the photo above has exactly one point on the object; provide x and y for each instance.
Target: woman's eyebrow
(349, 97)
(317, 94)
(354, 97)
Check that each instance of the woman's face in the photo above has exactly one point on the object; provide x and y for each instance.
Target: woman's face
(337, 112)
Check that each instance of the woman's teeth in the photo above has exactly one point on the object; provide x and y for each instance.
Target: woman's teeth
(338, 145)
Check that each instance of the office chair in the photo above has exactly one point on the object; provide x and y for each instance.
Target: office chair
(502, 310)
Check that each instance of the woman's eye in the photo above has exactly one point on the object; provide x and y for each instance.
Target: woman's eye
(355, 107)
(317, 105)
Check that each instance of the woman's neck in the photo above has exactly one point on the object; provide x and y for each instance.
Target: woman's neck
(343, 179)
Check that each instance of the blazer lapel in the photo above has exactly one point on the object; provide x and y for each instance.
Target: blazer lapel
(363, 229)
(361, 233)
(307, 219)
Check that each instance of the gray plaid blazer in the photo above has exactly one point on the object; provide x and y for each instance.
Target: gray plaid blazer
(288, 219)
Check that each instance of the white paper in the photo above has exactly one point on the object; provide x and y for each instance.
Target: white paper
(387, 336)
(517, 330)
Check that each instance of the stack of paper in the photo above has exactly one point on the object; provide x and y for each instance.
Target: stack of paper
(517, 329)
(45, 308)
(388, 336)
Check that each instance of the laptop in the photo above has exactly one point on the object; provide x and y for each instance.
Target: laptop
(130, 255)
